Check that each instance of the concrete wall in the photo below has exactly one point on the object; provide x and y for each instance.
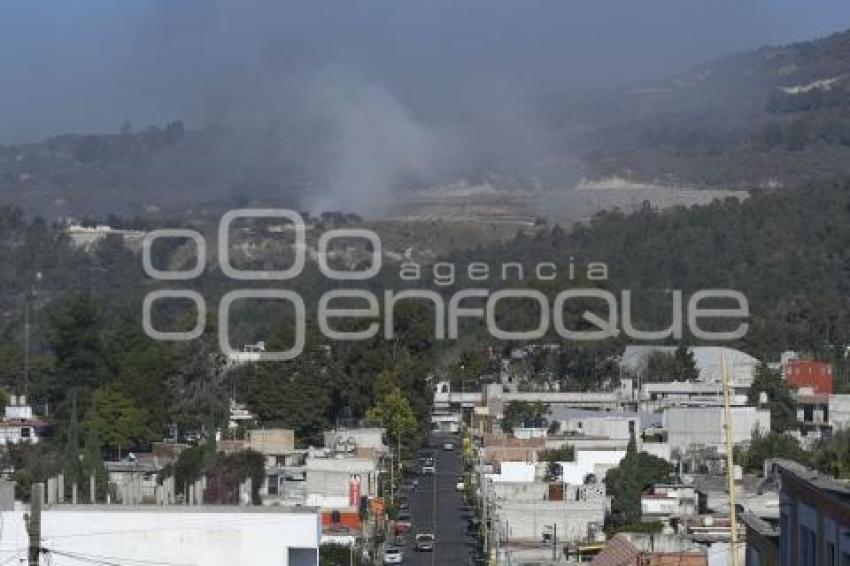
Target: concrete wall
(839, 411)
(658, 449)
(361, 437)
(272, 440)
(527, 520)
(521, 491)
(586, 443)
(616, 428)
(704, 426)
(212, 536)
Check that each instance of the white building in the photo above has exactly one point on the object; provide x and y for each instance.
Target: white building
(664, 502)
(330, 481)
(19, 424)
(209, 535)
(446, 421)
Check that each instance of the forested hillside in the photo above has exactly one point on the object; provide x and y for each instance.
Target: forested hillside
(788, 251)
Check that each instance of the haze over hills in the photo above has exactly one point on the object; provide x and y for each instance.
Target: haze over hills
(774, 117)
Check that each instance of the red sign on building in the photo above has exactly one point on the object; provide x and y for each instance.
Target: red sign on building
(354, 491)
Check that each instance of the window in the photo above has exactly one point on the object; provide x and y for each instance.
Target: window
(272, 485)
(25, 432)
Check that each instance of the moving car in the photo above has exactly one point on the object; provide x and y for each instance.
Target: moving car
(393, 555)
(424, 542)
(448, 446)
(429, 468)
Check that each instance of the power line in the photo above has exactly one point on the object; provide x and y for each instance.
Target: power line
(82, 559)
(16, 556)
(185, 527)
(107, 560)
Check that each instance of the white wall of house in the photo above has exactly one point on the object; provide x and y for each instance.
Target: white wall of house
(212, 536)
(515, 472)
(590, 462)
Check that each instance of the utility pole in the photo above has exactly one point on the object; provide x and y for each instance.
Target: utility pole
(398, 440)
(34, 523)
(26, 345)
(730, 464)
(434, 519)
(31, 294)
(485, 519)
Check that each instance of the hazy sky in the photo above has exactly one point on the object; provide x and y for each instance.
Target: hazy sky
(91, 65)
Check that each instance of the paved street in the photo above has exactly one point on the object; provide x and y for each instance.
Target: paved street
(435, 507)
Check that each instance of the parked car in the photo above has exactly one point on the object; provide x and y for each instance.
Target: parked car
(393, 555)
(403, 516)
(424, 542)
(403, 505)
(402, 527)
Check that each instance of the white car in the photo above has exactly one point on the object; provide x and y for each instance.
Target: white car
(448, 446)
(393, 556)
(424, 542)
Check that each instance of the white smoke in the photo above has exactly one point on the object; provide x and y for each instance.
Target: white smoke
(376, 147)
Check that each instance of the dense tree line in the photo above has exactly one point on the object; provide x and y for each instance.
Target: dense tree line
(787, 252)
